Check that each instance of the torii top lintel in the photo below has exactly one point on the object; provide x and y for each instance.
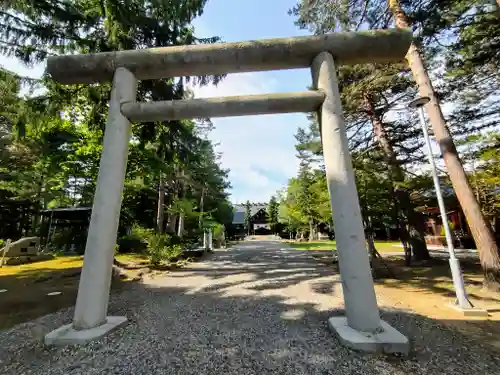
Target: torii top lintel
(374, 46)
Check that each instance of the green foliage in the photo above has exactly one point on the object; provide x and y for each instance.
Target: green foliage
(369, 91)
(483, 153)
(133, 242)
(374, 190)
(304, 194)
(248, 217)
(289, 214)
(217, 230)
(183, 206)
(470, 78)
(218, 235)
(309, 148)
(469, 81)
(11, 106)
(322, 16)
(56, 161)
(306, 202)
(160, 247)
(273, 213)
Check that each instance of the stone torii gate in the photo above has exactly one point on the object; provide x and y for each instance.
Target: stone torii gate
(362, 327)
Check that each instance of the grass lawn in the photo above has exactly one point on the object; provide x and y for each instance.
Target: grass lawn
(382, 246)
(27, 286)
(131, 257)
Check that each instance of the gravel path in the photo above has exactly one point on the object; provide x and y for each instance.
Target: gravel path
(259, 308)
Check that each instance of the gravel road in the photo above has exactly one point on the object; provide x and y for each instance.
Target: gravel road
(258, 308)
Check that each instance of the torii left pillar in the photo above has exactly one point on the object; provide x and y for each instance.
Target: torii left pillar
(90, 319)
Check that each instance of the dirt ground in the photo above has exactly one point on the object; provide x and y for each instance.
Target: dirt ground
(428, 290)
(27, 286)
(24, 288)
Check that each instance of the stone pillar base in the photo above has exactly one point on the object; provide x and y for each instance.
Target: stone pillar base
(67, 335)
(388, 340)
(470, 311)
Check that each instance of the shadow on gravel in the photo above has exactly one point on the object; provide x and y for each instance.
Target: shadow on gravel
(263, 265)
(215, 330)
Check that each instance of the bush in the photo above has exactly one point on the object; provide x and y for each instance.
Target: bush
(217, 230)
(174, 239)
(193, 239)
(218, 235)
(135, 241)
(132, 243)
(158, 247)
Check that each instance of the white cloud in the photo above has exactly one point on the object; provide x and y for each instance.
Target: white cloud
(258, 150)
(239, 84)
(14, 65)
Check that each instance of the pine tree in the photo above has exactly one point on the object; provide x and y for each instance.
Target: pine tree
(472, 25)
(368, 92)
(31, 30)
(305, 199)
(161, 164)
(483, 236)
(471, 59)
(272, 213)
(482, 153)
(248, 217)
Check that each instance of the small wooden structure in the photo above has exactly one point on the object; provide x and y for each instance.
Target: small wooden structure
(66, 228)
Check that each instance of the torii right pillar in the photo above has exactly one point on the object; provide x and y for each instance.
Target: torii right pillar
(362, 327)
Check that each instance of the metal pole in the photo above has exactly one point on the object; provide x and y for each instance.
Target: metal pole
(456, 273)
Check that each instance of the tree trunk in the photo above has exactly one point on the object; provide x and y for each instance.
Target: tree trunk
(403, 234)
(311, 231)
(369, 237)
(180, 231)
(171, 222)
(161, 203)
(414, 236)
(36, 219)
(483, 236)
(200, 220)
(172, 216)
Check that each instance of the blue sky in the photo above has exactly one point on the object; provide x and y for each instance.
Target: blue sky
(259, 150)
